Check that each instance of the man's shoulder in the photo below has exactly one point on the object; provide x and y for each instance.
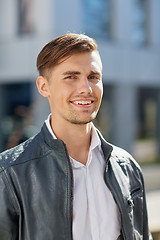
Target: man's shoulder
(122, 157)
(117, 154)
(20, 153)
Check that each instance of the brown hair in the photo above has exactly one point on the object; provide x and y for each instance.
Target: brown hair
(61, 47)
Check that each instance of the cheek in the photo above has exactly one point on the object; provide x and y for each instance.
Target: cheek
(99, 89)
(60, 96)
(54, 97)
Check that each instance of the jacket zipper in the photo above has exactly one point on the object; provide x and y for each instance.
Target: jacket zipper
(135, 192)
(70, 197)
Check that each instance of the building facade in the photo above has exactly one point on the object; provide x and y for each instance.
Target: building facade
(128, 36)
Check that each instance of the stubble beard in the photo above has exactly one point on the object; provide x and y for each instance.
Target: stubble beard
(75, 118)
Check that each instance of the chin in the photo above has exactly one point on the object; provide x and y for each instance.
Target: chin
(82, 121)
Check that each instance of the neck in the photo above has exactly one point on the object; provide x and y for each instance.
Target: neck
(77, 138)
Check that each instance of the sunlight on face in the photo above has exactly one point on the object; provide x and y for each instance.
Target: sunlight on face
(75, 88)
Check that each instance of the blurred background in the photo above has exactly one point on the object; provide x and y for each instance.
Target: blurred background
(128, 35)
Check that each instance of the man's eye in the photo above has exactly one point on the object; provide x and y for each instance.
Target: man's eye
(70, 77)
(94, 77)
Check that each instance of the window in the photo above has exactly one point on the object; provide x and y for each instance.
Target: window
(146, 146)
(97, 18)
(148, 107)
(16, 115)
(140, 18)
(25, 19)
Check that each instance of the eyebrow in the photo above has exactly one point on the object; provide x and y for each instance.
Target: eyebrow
(78, 73)
(95, 73)
(71, 73)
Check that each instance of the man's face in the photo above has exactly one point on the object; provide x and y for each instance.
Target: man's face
(75, 88)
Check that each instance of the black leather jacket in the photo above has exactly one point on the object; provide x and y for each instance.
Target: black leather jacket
(36, 191)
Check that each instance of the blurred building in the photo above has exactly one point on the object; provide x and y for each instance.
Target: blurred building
(128, 35)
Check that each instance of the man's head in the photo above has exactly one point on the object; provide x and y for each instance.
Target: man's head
(62, 47)
(70, 76)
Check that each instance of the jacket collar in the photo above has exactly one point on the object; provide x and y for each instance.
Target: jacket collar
(54, 143)
(106, 147)
(48, 139)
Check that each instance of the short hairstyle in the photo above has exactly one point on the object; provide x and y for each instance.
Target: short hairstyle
(61, 47)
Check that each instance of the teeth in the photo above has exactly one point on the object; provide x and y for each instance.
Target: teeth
(82, 102)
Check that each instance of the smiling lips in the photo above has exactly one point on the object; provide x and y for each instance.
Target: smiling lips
(83, 103)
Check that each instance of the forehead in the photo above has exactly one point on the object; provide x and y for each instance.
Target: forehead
(81, 60)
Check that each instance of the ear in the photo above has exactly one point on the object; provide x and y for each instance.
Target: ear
(42, 85)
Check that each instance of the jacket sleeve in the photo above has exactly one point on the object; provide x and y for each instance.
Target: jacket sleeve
(8, 213)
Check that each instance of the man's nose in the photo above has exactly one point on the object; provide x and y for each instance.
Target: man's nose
(85, 86)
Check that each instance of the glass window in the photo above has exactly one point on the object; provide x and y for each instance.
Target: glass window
(17, 116)
(140, 33)
(97, 18)
(147, 112)
(146, 145)
(25, 19)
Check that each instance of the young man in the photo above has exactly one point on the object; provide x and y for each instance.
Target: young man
(67, 182)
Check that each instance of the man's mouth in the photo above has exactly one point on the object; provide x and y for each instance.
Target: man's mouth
(82, 102)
